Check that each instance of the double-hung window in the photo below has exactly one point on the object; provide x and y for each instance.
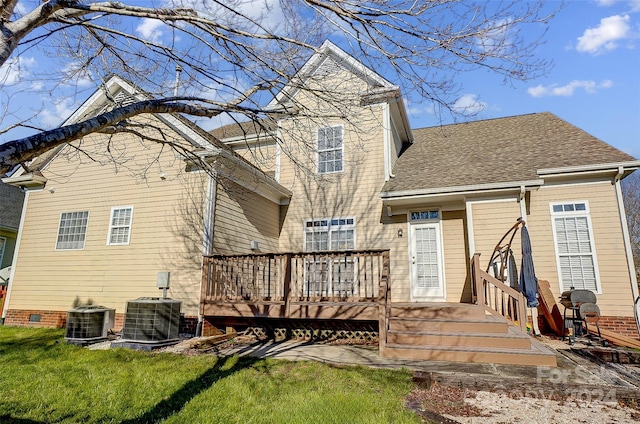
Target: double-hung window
(120, 225)
(72, 230)
(328, 274)
(575, 249)
(330, 149)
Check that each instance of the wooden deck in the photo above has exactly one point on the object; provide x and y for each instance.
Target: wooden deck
(354, 287)
(321, 285)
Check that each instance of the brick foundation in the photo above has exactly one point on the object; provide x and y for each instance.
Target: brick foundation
(623, 325)
(58, 319)
(35, 318)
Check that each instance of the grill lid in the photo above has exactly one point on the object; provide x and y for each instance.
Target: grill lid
(573, 298)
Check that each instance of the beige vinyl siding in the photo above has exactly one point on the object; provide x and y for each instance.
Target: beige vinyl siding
(455, 257)
(399, 255)
(616, 298)
(165, 235)
(354, 192)
(491, 220)
(262, 154)
(243, 216)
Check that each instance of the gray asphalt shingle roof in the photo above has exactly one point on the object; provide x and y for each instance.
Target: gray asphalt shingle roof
(496, 150)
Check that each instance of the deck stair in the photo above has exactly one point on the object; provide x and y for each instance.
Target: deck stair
(459, 332)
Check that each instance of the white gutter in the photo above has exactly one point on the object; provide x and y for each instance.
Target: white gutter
(468, 189)
(14, 262)
(629, 165)
(626, 239)
(247, 139)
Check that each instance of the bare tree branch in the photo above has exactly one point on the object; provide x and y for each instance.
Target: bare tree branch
(234, 59)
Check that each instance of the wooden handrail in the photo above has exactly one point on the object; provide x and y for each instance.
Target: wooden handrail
(344, 276)
(497, 297)
(384, 308)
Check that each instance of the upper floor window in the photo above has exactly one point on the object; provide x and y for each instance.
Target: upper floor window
(575, 249)
(330, 149)
(120, 225)
(72, 230)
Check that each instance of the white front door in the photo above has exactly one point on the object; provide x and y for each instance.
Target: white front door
(427, 282)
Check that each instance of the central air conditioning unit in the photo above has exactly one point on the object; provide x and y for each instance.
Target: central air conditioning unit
(151, 320)
(89, 323)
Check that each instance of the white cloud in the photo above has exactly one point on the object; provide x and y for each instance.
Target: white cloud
(62, 109)
(77, 75)
(266, 12)
(469, 105)
(495, 37)
(590, 87)
(149, 29)
(605, 36)
(634, 5)
(238, 13)
(15, 70)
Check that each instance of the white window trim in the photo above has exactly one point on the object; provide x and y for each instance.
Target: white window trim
(86, 229)
(318, 150)
(111, 226)
(586, 213)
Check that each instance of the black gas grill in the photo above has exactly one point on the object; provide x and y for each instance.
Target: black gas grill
(579, 306)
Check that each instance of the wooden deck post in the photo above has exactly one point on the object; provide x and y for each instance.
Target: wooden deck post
(476, 280)
(522, 313)
(287, 285)
(206, 278)
(384, 300)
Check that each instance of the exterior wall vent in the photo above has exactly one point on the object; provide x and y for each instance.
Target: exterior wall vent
(151, 320)
(89, 323)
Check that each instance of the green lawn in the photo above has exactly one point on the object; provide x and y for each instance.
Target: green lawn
(45, 380)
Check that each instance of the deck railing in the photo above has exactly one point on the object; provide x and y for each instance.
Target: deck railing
(345, 276)
(497, 297)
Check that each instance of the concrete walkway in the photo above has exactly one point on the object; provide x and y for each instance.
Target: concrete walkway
(573, 369)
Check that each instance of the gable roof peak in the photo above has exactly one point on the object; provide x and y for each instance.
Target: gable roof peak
(329, 50)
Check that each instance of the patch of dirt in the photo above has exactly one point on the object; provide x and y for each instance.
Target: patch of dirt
(432, 404)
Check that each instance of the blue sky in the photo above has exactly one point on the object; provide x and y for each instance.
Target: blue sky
(594, 82)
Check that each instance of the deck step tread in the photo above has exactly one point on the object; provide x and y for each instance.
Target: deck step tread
(538, 350)
(511, 333)
(489, 318)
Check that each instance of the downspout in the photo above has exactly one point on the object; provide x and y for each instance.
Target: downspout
(207, 238)
(627, 245)
(471, 242)
(14, 262)
(523, 203)
(386, 141)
